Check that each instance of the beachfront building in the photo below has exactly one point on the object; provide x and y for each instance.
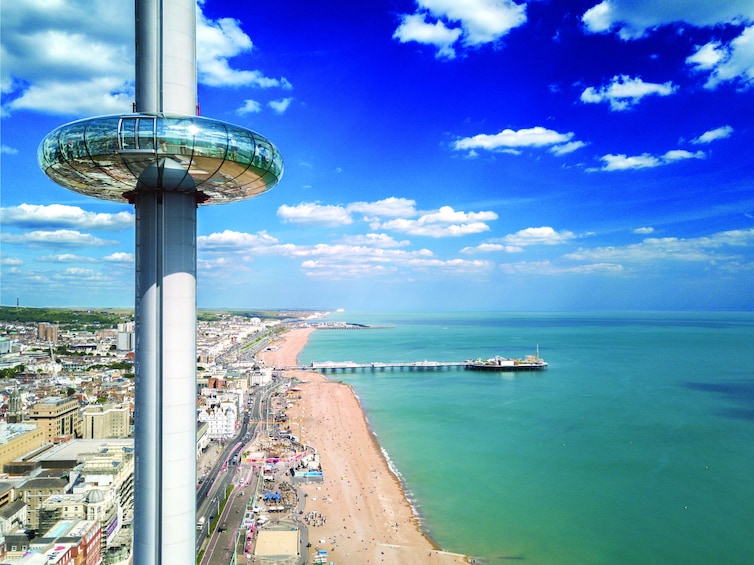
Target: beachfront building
(260, 376)
(220, 418)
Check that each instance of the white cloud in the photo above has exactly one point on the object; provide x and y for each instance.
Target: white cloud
(713, 135)
(312, 213)
(566, 148)
(78, 275)
(597, 19)
(218, 267)
(623, 162)
(416, 227)
(232, 241)
(59, 215)
(103, 95)
(391, 207)
(77, 58)
(345, 262)
(547, 268)
(544, 235)
(446, 215)
(10, 261)
(733, 62)
(475, 21)
(47, 57)
(119, 257)
(681, 155)
(445, 222)
(491, 248)
(699, 249)
(374, 240)
(508, 138)
(482, 21)
(414, 27)
(643, 230)
(221, 40)
(624, 92)
(64, 238)
(7, 150)
(280, 106)
(633, 19)
(707, 57)
(65, 258)
(249, 107)
(370, 255)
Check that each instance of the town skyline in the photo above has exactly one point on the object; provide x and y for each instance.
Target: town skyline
(585, 155)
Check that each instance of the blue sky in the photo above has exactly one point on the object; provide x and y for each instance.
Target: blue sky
(439, 154)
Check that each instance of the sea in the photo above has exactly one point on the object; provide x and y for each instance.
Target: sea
(635, 446)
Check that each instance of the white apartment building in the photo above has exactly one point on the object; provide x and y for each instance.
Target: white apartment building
(220, 417)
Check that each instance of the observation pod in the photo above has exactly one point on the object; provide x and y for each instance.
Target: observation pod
(112, 157)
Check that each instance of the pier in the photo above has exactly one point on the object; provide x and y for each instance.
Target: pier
(348, 366)
(344, 326)
(496, 364)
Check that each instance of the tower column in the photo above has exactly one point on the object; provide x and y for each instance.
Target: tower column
(166, 56)
(165, 376)
(165, 398)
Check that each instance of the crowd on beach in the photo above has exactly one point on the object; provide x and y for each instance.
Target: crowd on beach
(314, 518)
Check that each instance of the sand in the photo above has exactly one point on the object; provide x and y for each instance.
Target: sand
(367, 517)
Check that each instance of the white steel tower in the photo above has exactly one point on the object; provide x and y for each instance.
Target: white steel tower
(165, 160)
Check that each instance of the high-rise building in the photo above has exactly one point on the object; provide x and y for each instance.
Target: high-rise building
(102, 421)
(47, 332)
(125, 341)
(58, 417)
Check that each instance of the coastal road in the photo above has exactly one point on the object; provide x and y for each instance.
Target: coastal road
(212, 491)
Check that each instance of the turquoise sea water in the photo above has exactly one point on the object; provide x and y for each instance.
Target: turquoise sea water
(636, 446)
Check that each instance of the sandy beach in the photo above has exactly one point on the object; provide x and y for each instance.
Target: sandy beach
(364, 516)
